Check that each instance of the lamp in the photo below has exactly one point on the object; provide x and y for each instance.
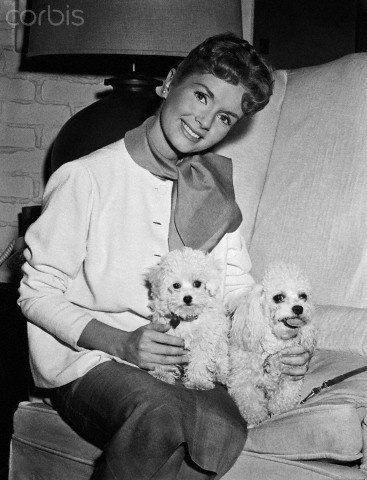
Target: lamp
(137, 40)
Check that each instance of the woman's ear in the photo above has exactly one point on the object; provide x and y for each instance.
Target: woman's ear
(164, 89)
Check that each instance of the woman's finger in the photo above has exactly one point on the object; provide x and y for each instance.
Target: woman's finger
(150, 361)
(294, 350)
(155, 332)
(296, 359)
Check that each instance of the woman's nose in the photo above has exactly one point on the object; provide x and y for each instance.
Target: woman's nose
(205, 120)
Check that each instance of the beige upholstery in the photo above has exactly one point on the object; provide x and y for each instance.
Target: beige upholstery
(300, 171)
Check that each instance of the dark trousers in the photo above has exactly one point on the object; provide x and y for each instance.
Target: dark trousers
(149, 429)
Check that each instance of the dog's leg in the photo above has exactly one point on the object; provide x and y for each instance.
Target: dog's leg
(251, 401)
(245, 384)
(199, 372)
(222, 361)
(286, 396)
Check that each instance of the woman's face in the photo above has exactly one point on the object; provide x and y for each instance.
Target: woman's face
(197, 113)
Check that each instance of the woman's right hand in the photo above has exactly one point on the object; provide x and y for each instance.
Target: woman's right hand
(149, 346)
(146, 347)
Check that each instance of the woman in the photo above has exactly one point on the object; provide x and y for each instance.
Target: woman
(106, 219)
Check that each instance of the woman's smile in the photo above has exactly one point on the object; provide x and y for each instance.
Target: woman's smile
(189, 133)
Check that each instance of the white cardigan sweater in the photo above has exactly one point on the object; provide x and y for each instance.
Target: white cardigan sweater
(104, 223)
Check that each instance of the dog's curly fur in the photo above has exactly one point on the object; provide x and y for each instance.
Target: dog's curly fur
(186, 284)
(275, 315)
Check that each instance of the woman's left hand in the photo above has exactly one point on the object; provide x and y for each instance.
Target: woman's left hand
(295, 362)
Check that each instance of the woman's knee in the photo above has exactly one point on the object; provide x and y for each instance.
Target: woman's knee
(161, 416)
(150, 421)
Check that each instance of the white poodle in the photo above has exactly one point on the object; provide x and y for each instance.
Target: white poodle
(275, 315)
(185, 293)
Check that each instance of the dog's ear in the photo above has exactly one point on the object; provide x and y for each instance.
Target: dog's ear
(249, 325)
(214, 271)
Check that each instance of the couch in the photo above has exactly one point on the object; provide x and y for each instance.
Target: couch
(300, 170)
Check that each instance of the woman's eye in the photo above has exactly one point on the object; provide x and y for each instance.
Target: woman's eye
(197, 284)
(303, 296)
(201, 97)
(278, 298)
(225, 119)
(176, 286)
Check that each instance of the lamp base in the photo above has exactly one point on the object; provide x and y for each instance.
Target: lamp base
(132, 101)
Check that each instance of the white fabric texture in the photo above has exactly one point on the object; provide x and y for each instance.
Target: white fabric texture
(105, 222)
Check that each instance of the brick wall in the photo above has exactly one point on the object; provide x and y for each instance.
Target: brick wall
(33, 107)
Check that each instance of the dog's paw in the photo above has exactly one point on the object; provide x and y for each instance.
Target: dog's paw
(250, 400)
(286, 397)
(164, 376)
(199, 385)
(222, 376)
(198, 378)
(222, 371)
(255, 416)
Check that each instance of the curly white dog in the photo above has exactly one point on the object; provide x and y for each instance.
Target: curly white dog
(275, 315)
(185, 293)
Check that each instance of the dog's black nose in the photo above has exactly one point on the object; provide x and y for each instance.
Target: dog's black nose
(297, 309)
(187, 299)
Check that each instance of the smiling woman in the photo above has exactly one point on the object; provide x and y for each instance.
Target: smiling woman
(108, 217)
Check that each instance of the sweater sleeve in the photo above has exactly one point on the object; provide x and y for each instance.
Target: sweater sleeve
(56, 249)
(238, 280)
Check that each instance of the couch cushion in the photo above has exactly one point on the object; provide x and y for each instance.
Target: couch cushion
(328, 426)
(313, 209)
(39, 426)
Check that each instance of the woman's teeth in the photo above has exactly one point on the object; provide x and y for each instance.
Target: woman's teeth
(190, 132)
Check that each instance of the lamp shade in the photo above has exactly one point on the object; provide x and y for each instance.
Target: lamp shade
(128, 27)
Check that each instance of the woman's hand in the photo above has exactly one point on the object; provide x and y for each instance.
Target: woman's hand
(295, 362)
(146, 347)
(149, 346)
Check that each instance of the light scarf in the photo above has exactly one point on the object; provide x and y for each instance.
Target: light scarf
(203, 205)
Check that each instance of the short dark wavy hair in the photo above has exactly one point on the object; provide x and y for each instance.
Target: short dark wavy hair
(236, 61)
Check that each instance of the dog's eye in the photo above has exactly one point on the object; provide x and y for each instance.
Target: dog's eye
(303, 296)
(278, 298)
(197, 284)
(176, 286)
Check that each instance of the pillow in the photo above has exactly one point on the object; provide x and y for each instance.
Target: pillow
(342, 328)
(328, 426)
